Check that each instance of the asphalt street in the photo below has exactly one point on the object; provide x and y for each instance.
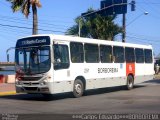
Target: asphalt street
(144, 99)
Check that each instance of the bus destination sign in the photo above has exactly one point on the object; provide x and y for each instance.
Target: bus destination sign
(33, 41)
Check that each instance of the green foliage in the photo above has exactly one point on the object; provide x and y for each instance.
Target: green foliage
(97, 27)
(24, 6)
(17, 5)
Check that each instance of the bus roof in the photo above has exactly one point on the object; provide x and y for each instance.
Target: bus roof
(90, 40)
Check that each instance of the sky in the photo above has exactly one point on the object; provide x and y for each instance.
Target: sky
(56, 16)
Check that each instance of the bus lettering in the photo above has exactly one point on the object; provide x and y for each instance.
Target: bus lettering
(29, 42)
(107, 70)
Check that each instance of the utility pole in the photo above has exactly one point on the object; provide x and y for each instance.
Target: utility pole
(79, 28)
(107, 8)
(124, 28)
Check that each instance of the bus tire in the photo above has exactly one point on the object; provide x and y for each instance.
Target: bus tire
(78, 88)
(130, 82)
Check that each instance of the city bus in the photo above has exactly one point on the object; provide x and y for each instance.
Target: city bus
(51, 64)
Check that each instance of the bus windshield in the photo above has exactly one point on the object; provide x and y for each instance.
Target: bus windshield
(33, 60)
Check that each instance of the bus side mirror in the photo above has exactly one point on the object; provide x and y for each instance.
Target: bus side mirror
(7, 57)
(8, 53)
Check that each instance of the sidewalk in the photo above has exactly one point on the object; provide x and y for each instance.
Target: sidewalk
(7, 89)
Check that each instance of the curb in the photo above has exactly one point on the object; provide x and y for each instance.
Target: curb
(7, 93)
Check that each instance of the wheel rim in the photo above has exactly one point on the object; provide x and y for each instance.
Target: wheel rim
(78, 88)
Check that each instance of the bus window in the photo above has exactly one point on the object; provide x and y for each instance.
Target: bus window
(106, 54)
(77, 54)
(34, 57)
(139, 55)
(91, 53)
(148, 56)
(20, 60)
(118, 53)
(129, 55)
(35, 60)
(61, 56)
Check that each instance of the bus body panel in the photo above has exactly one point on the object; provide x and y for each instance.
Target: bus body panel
(96, 75)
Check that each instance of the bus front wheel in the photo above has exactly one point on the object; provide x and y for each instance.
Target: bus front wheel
(130, 82)
(78, 88)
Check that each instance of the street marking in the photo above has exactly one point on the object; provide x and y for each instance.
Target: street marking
(7, 93)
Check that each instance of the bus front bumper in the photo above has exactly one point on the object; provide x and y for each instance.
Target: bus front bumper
(34, 88)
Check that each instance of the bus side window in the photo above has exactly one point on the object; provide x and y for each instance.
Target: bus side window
(148, 56)
(91, 53)
(139, 55)
(34, 56)
(118, 52)
(61, 57)
(129, 55)
(106, 53)
(77, 53)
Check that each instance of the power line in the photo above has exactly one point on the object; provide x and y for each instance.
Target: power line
(19, 20)
(10, 30)
(41, 21)
(151, 6)
(144, 39)
(20, 27)
(40, 26)
(144, 36)
(136, 18)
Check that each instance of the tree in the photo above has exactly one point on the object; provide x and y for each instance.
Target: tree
(75, 28)
(24, 6)
(96, 26)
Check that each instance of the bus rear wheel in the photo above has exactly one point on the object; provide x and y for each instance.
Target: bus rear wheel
(130, 82)
(78, 88)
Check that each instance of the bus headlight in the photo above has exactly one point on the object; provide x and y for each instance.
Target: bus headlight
(43, 83)
(19, 83)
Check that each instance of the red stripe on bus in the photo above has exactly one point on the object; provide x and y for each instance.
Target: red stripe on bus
(130, 68)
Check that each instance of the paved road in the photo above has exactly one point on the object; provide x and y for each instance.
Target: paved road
(144, 98)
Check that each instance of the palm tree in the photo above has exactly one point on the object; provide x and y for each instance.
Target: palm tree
(75, 28)
(97, 27)
(103, 27)
(24, 6)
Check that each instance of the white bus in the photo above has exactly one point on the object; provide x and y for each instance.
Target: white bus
(50, 64)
